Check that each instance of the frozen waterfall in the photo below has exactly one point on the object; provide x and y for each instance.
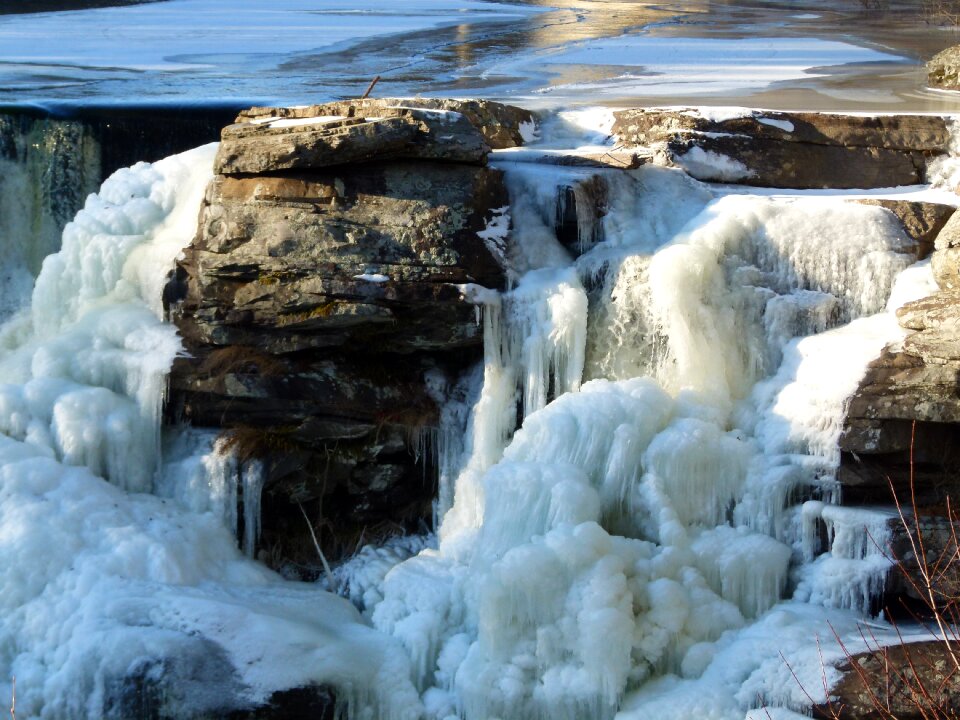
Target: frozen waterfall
(644, 545)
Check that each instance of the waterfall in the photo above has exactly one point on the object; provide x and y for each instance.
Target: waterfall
(120, 572)
(638, 508)
(637, 523)
(47, 168)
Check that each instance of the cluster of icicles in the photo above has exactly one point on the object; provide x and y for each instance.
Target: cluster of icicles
(646, 543)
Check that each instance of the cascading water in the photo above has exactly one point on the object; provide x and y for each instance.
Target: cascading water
(633, 529)
(47, 168)
(647, 542)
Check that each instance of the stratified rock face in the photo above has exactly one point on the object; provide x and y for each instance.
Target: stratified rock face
(317, 142)
(502, 126)
(946, 259)
(323, 307)
(943, 70)
(331, 259)
(789, 150)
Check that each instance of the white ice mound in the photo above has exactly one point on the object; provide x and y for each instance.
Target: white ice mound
(107, 592)
(549, 614)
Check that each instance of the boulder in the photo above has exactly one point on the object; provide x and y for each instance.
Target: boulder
(325, 141)
(909, 682)
(502, 126)
(788, 150)
(943, 70)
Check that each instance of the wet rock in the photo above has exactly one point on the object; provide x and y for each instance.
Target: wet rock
(502, 126)
(943, 70)
(200, 683)
(908, 682)
(789, 150)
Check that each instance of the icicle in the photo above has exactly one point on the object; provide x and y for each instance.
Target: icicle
(252, 479)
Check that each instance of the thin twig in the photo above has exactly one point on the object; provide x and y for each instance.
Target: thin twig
(370, 87)
(316, 544)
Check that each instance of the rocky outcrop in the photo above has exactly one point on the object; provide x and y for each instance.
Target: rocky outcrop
(324, 307)
(789, 150)
(943, 70)
(502, 126)
(317, 142)
(902, 429)
(908, 682)
(909, 399)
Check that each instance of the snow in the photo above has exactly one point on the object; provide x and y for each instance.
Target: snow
(297, 122)
(784, 125)
(708, 165)
(529, 131)
(372, 277)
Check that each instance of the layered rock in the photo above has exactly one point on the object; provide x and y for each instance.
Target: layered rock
(909, 399)
(902, 429)
(789, 150)
(324, 307)
(502, 126)
(322, 141)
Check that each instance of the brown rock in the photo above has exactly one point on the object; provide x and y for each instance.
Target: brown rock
(946, 257)
(790, 150)
(499, 124)
(903, 132)
(374, 254)
(315, 305)
(943, 70)
(908, 682)
(400, 133)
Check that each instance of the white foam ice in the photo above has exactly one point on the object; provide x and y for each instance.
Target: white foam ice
(634, 529)
(102, 583)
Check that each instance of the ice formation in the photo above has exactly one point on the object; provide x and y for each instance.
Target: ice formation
(645, 544)
(114, 564)
(611, 553)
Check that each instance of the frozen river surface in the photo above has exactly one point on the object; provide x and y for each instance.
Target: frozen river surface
(807, 54)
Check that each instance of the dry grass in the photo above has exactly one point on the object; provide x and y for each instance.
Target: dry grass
(252, 443)
(240, 359)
